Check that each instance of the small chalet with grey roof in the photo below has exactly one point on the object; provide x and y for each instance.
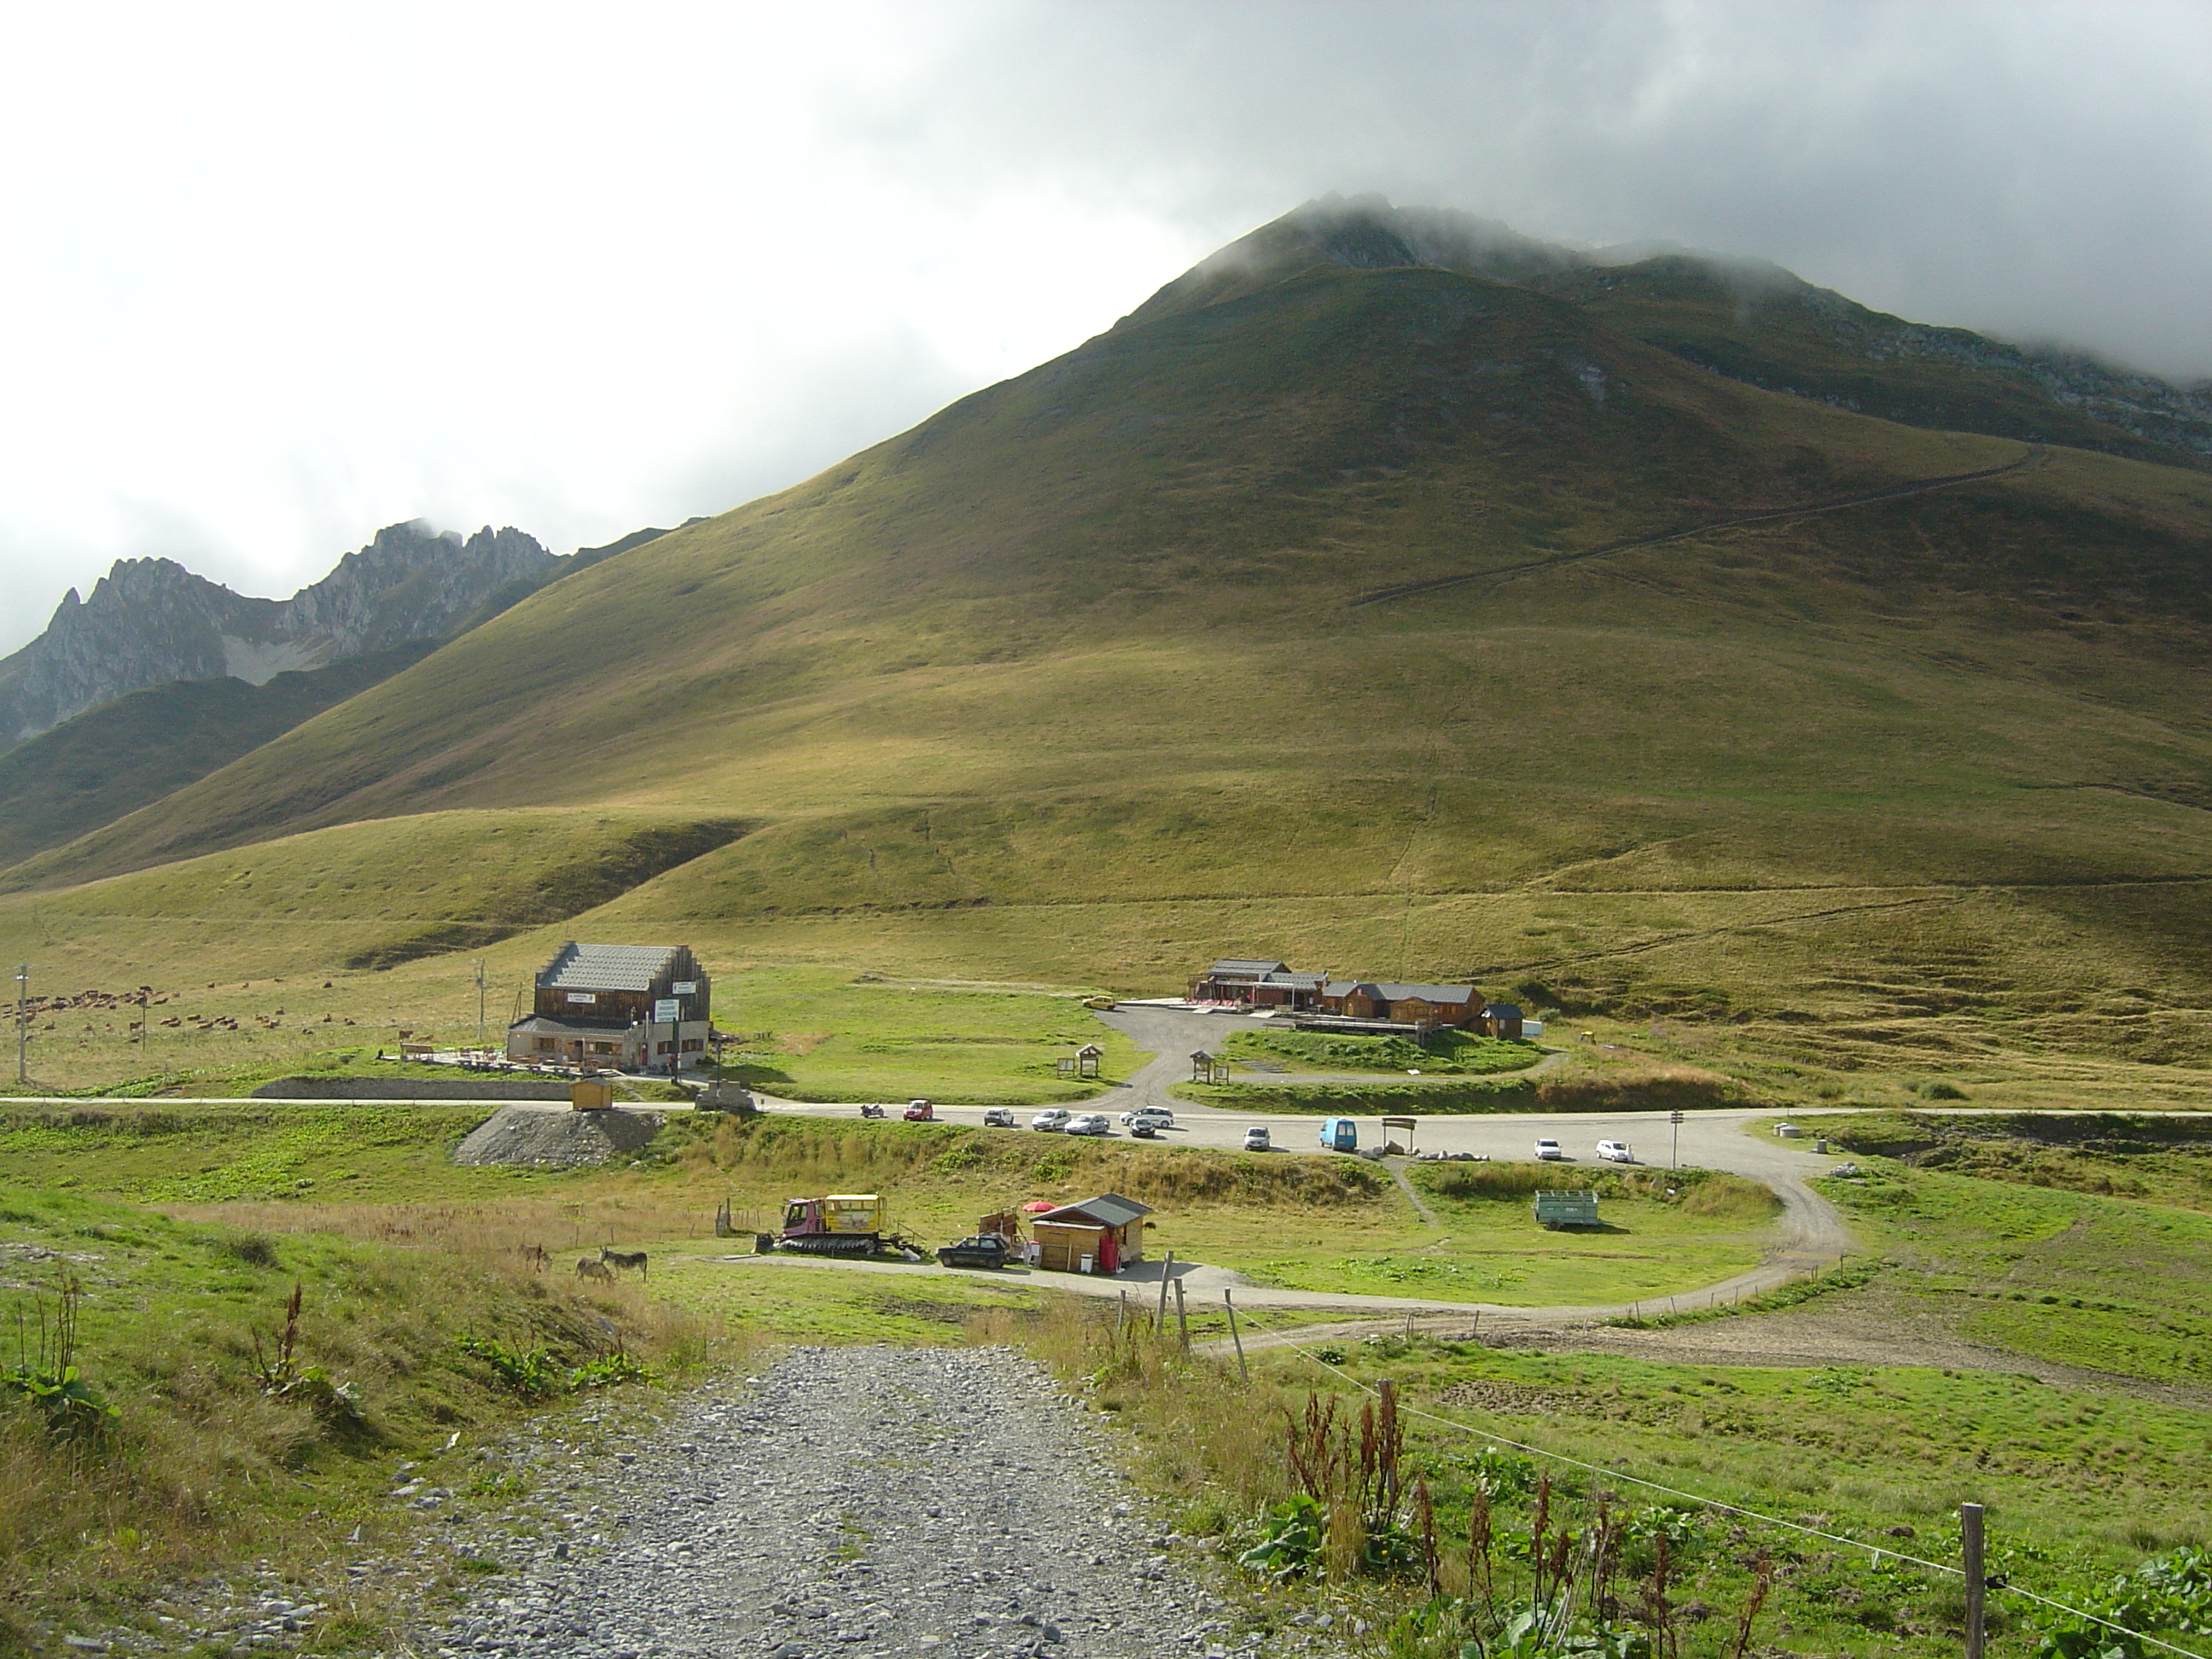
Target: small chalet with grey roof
(594, 1006)
(1100, 1235)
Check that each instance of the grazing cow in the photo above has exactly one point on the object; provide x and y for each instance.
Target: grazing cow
(624, 1261)
(588, 1268)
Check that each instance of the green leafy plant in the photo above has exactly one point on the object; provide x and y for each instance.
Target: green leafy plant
(338, 1404)
(2169, 1592)
(1291, 1545)
(536, 1372)
(529, 1372)
(46, 1376)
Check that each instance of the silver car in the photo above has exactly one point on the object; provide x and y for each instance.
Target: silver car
(1090, 1123)
(1052, 1120)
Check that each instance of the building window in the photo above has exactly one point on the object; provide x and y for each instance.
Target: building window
(664, 1047)
(693, 1045)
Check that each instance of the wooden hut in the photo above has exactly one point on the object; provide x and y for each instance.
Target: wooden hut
(1500, 1019)
(1106, 1232)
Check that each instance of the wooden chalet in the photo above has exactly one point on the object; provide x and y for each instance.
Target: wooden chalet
(1391, 1009)
(1500, 1019)
(1256, 983)
(592, 1006)
(1107, 1232)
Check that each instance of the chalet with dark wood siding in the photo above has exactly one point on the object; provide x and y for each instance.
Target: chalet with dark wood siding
(1232, 979)
(594, 1006)
(1500, 1019)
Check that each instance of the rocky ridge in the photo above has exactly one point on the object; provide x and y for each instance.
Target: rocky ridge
(150, 622)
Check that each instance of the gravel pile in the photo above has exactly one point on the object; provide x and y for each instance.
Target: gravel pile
(537, 1137)
(865, 1503)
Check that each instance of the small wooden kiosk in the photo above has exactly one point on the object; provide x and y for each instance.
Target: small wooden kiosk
(1100, 1235)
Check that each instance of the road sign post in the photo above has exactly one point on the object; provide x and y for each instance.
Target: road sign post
(1675, 1157)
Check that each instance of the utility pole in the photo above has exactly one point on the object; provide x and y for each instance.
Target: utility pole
(1970, 1545)
(1675, 1157)
(22, 1023)
(480, 1000)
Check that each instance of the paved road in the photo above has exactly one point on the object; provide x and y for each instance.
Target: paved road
(1810, 1235)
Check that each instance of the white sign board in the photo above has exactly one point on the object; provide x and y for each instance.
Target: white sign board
(667, 1010)
(684, 987)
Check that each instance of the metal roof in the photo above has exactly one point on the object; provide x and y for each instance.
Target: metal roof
(1237, 965)
(1306, 981)
(1429, 993)
(539, 1025)
(1501, 1011)
(607, 966)
(1112, 1208)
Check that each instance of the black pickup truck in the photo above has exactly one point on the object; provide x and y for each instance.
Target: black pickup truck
(983, 1250)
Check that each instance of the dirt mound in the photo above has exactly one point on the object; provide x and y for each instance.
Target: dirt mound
(535, 1138)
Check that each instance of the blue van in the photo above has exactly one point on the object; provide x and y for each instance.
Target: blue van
(1339, 1134)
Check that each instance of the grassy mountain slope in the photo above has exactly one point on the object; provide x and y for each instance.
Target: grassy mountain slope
(1073, 682)
(1768, 328)
(109, 761)
(91, 770)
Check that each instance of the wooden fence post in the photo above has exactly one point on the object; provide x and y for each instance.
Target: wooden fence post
(1970, 1544)
(1167, 1272)
(1241, 1370)
(1182, 1323)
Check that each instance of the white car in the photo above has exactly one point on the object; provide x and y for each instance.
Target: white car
(1255, 1139)
(1090, 1123)
(1052, 1120)
(1548, 1151)
(999, 1117)
(1615, 1152)
(1158, 1116)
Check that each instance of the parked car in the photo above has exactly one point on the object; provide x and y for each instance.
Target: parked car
(1158, 1116)
(999, 1117)
(1255, 1139)
(1548, 1151)
(1090, 1123)
(1052, 1119)
(1102, 1004)
(1615, 1152)
(982, 1251)
(1145, 1128)
(919, 1111)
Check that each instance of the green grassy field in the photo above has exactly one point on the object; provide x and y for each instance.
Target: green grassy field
(805, 1033)
(1461, 1053)
(2083, 1477)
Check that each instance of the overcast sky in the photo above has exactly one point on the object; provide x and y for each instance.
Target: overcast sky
(272, 277)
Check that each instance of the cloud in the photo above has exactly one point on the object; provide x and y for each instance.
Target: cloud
(274, 276)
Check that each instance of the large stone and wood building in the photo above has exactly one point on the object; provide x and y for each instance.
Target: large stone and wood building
(594, 1006)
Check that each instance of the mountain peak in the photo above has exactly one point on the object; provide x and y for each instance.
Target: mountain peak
(151, 621)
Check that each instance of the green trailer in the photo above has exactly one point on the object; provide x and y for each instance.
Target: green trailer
(1557, 1210)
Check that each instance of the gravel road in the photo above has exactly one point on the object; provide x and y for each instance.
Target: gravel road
(861, 1501)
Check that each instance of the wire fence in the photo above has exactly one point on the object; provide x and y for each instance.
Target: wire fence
(1998, 1586)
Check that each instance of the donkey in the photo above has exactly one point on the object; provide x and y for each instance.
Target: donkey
(624, 1261)
(588, 1268)
(534, 1254)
